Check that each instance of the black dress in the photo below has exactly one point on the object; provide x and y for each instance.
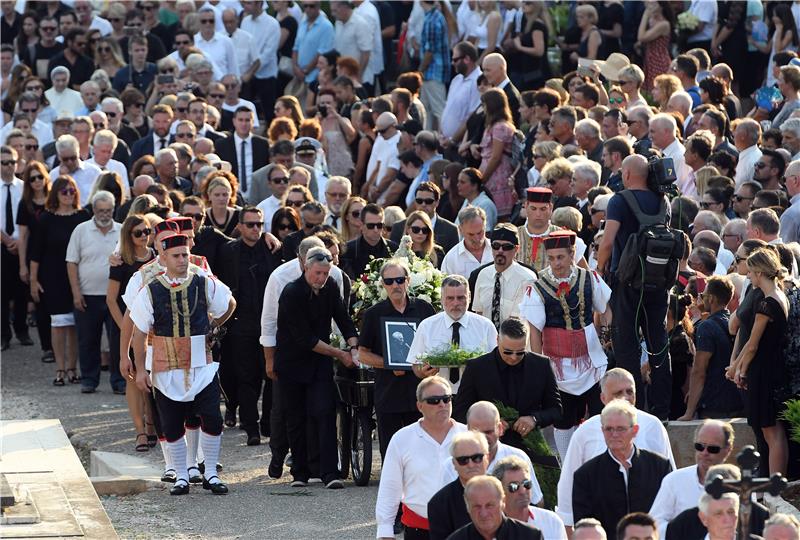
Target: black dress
(610, 14)
(30, 219)
(50, 251)
(766, 374)
(123, 274)
(229, 227)
(525, 71)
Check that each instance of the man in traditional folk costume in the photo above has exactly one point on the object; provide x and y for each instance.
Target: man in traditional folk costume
(560, 309)
(179, 309)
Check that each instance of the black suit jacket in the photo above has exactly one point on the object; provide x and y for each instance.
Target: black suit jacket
(227, 152)
(513, 101)
(355, 257)
(291, 243)
(445, 233)
(510, 529)
(447, 511)
(687, 524)
(599, 491)
(142, 147)
(481, 381)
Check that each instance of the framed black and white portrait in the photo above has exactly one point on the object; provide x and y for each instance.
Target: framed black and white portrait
(396, 338)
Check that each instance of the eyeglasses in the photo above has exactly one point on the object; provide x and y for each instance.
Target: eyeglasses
(514, 353)
(280, 180)
(196, 217)
(394, 280)
(618, 429)
(435, 400)
(35, 178)
(141, 232)
(425, 201)
(309, 226)
(502, 246)
(463, 460)
(513, 487)
(253, 224)
(420, 230)
(8, 162)
(68, 191)
(711, 448)
(286, 226)
(739, 198)
(217, 96)
(537, 156)
(186, 135)
(319, 257)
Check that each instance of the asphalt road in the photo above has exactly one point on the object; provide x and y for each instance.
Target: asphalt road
(256, 507)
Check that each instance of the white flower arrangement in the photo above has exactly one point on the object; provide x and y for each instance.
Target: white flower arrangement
(425, 281)
(687, 22)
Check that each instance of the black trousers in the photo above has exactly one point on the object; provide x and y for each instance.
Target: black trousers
(279, 439)
(264, 91)
(43, 324)
(390, 423)
(12, 290)
(576, 408)
(651, 324)
(227, 372)
(305, 403)
(174, 413)
(245, 356)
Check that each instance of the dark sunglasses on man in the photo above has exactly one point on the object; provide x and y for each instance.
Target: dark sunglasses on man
(463, 460)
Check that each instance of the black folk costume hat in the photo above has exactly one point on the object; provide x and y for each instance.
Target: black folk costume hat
(560, 239)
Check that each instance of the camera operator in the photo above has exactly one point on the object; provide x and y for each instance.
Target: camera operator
(636, 311)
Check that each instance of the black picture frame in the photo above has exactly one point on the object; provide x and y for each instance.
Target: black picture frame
(396, 337)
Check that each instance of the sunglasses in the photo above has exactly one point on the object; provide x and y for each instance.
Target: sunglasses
(253, 224)
(286, 226)
(206, 21)
(373, 226)
(50, 28)
(35, 178)
(704, 204)
(196, 217)
(69, 158)
(68, 191)
(614, 100)
(142, 232)
(183, 42)
(295, 204)
(457, 59)
(182, 110)
(420, 230)
(34, 88)
(111, 114)
(8, 162)
(463, 460)
(217, 96)
(138, 105)
(514, 353)
(29, 111)
(434, 400)
(309, 226)
(387, 228)
(760, 165)
(711, 448)
(188, 135)
(394, 280)
(103, 49)
(513, 487)
(280, 180)
(502, 246)
(355, 214)
(319, 257)
(739, 198)
(425, 201)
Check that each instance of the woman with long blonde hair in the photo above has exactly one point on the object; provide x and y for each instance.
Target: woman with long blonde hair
(351, 213)
(420, 229)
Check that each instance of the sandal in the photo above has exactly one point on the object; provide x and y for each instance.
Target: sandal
(141, 447)
(59, 380)
(152, 440)
(73, 379)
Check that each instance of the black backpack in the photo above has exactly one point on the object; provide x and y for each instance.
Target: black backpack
(651, 257)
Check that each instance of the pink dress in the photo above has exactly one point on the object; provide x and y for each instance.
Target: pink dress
(656, 60)
(497, 185)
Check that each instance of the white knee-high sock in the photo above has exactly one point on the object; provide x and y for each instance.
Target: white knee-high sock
(177, 450)
(167, 455)
(210, 445)
(562, 437)
(191, 446)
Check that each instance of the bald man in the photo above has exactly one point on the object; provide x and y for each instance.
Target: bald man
(495, 70)
(639, 315)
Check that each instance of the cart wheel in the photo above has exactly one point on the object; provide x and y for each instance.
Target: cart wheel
(362, 446)
(343, 429)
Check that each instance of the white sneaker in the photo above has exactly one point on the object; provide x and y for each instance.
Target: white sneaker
(315, 480)
(299, 483)
(335, 484)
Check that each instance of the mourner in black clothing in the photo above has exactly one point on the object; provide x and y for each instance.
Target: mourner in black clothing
(370, 244)
(303, 363)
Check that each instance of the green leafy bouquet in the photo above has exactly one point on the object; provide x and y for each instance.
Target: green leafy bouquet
(448, 356)
(792, 416)
(536, 445)
(425, 281)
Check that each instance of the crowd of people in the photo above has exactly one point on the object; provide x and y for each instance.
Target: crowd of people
(191, 189)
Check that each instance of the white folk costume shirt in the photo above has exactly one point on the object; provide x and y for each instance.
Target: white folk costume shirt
(548, 522)
(679, 491)
(503, 451)
(460, 261)
(572, 376)
(531, 247)
(476, 334)
(181, 384)
(514, 281)
(588, 442)
(411, 473)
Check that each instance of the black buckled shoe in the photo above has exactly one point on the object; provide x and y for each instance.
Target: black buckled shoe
(181, 487)
(195, 478)
(217, 488)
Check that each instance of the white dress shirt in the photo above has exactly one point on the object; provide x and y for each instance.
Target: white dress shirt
(354, 37)
(248, 161)
(184, 384)
(266, 32)
(548, 522)
(588, 442)
(460, 261)
(411, 473)
(89, 248)
(514, 281)
(278, 280)
(245, 50)
(503, 451)
(99, 23)
(43, 131)
(84, 177)
(15, 192)
(114, 166)
(268, 207)
(675, 151)
(384, 155)
(679, 491)
(462, 100)
(220, 48)
(747, 164)
(476, 334)
(370, 14)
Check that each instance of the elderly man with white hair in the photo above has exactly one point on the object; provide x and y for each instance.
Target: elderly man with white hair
(167, 171)
(587, 133)
(69, 156)
(681, 102)
(790, 219)
(663, 134)
(746, 137)
(719, 516)
(639, 122)
(782, 527)
(790, 131)
(90, 96)
(61, 97)
(103, 147)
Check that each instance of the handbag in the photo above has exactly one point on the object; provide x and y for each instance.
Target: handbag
(286, 66)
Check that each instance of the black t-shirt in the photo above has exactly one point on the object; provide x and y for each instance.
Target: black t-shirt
(392, 393)
(123, 274)
(618, 210)
(10, 31)
(80, 72)
(289, 23)
(610, 14)
(719, 394)
(41, 59)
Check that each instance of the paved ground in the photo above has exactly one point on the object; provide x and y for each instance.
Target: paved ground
(257, 507)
